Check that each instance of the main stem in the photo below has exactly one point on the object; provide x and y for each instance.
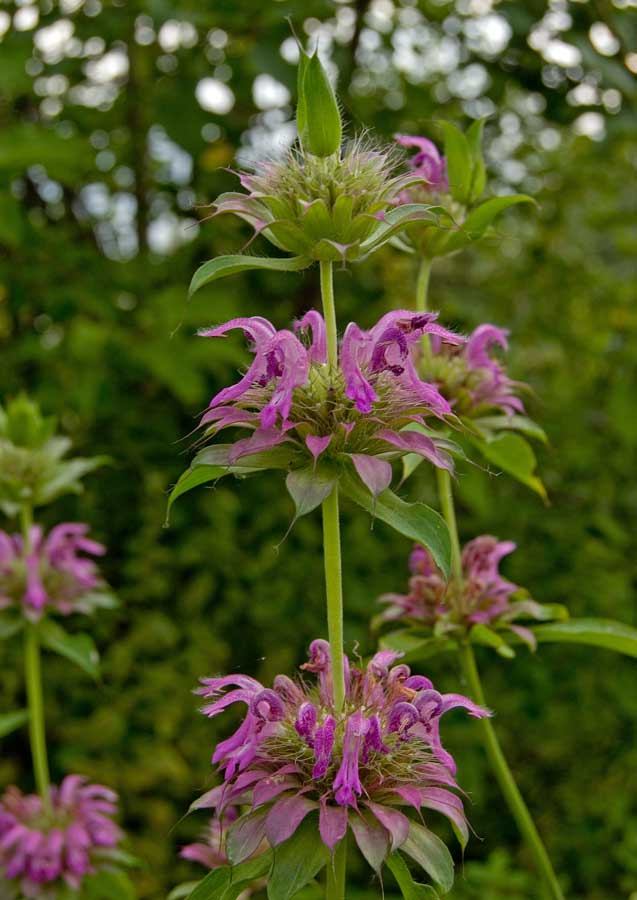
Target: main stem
(33, 678)
(505, 778)
(422, 287)
(331, 525)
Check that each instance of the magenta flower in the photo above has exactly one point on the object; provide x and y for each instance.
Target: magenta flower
(483, 597)
(56, 573)
(470, 378)
(294, 754)
(356, 415)
(427, 162)
(40, 850)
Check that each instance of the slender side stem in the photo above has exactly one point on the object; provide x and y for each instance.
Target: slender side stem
(445, 493)
(335, 882)
(506, 780)
(33, 678)
(422, 287)
(329, 312)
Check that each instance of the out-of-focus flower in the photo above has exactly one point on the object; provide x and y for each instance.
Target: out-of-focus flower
(470, 378)
(427, 162)
(295, 754)
(40, 850)
(55, 573)
(325, 208)
(483, 596)
(356, 413)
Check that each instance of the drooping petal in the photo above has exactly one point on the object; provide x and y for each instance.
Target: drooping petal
(416, 442)
(314, 321)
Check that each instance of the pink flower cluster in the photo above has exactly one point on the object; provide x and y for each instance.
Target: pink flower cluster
(55, 572)
(290, 395)
(294, 753)
(38, 847)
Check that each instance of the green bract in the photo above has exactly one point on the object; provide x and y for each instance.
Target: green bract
(318, 119)
(32, 468)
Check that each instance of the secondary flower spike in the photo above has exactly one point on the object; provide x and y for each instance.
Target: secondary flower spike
(354, 415)
(484, 596)
(473, 381)
(41, 851)
(55, 573)
(363, 768)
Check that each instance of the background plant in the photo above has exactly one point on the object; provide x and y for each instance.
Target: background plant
(77, 299)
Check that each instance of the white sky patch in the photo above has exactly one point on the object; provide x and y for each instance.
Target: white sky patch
(603, 39)
(268, 93)
(214, 96)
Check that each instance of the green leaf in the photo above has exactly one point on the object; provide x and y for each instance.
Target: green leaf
(459, 162)
(413, 520)
(107, 885)
(182, 890)
(595, 632)
(309, 487)
(322, 127)
(479, 219)
(513, 423)
(66, 478)
(12, 721)
(10, 624)
(193, 478)
(482, 634)
(414, 646)
(231, 265)
(431, 854)
(228, 882)
(409, 888)
(78, 648)
(396, 220)
(297, 861)
(511, 453)
(301, 108)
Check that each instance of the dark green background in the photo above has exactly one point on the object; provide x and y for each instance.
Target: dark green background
(90, 331)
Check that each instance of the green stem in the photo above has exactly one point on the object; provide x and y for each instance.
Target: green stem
(334, 592)
(445, 493)
(335, 882)
(422, 287)
(505, 777)
(33, 678)
(329, 312)
(37, 736)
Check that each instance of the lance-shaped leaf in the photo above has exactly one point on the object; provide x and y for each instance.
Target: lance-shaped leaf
(107, 885)
(296, 861)
(522, 424)
(479, 219)
(413, 520)
(459, 162)
(301, 106)
(322, 129)
(478, 170)
(396, 221)
(415, 647)
(482, 634)
(231, 265)
(78, 648)
(13, 720)
(228, 882)
(431, 854)
(409, 888)
(511, 453)
(594, 632)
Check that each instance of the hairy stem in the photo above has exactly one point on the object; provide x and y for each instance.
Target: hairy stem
(422, 287)
(33, 678)
(506, 780)
(335, 882)
(329, 312)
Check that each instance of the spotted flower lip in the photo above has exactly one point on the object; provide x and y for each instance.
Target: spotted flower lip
(39, 850)
(358, 412)
(54, 574)
(484, 597)
(473, 381)
(427, 162)
(294, 753)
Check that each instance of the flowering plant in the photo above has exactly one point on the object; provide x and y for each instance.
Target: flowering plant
(362, 767)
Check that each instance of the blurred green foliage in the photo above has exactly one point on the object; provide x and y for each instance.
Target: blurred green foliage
(101, 164)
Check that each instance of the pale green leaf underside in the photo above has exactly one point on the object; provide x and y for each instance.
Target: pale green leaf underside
(222, 266)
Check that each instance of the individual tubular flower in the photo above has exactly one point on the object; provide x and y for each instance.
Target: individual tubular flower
(325, 208)
(55, 573)
(360, 413)
(362, 768)
(41, 850)
(427, 163)
(484, 597)
(470, 378)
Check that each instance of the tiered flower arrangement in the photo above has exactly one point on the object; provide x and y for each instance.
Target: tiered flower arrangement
(61, 842)
(352, 751)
